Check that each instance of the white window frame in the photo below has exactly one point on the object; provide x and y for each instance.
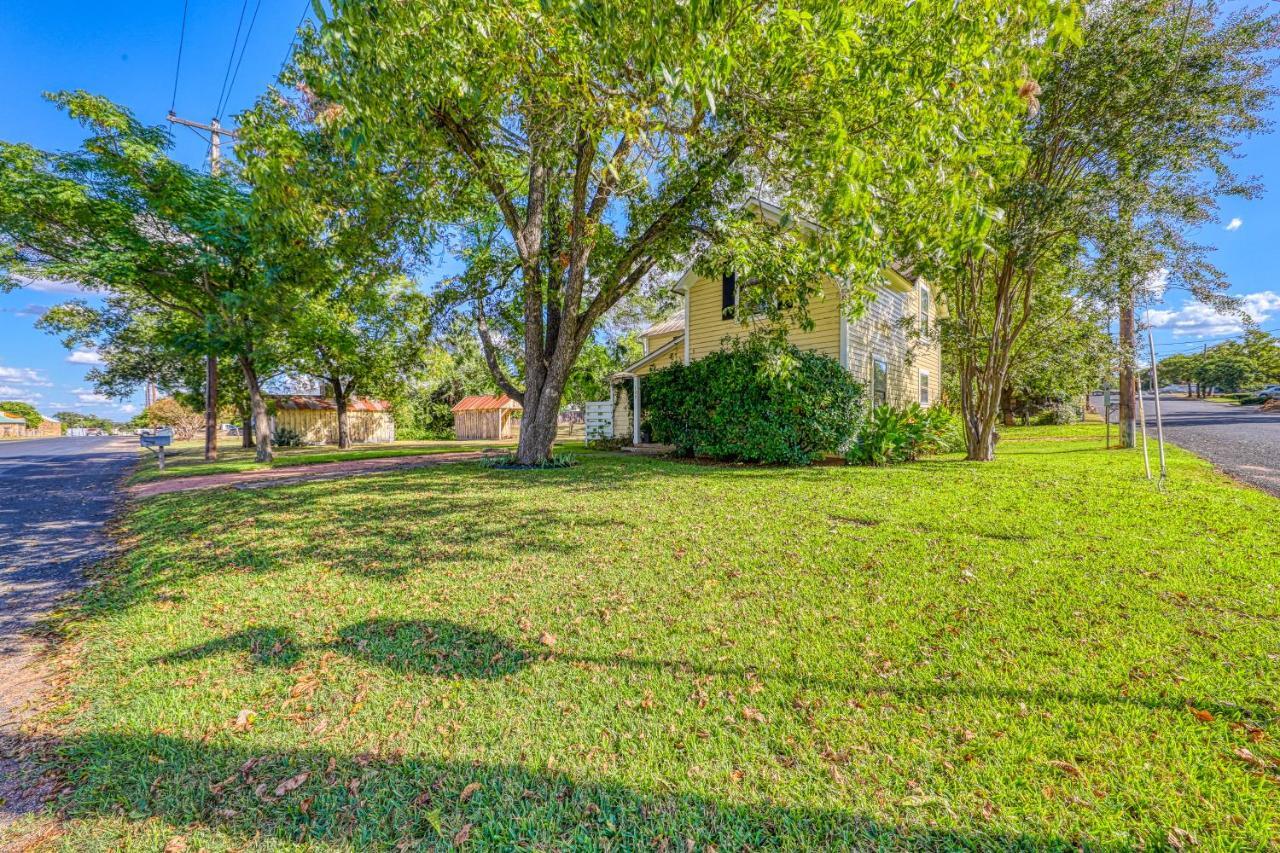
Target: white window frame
(926, 389)
(924, 306)
(881, 360)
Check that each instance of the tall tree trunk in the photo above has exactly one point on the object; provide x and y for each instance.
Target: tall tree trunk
(246, 426)
(542, 412)
(1128, 346)
(210, 407)
(340, 398)
(261, 421)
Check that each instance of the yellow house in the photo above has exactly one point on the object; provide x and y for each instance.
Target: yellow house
(882, 347)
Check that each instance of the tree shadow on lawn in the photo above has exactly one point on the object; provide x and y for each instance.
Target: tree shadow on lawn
(446, 649)
(312, 796)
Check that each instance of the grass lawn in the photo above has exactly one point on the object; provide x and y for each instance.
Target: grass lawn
(1040, 652)
(186, 458)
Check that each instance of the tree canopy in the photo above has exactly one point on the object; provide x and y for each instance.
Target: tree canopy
(593, 147)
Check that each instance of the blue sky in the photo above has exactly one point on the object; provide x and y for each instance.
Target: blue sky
(128, 52)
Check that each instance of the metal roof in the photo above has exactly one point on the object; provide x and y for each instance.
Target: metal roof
(316, 403)
(669, 326)
(485, 403)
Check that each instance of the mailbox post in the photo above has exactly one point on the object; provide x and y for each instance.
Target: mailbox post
(157, 440)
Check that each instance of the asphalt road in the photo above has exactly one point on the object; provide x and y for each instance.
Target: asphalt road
(1240, 440)
(56, 494)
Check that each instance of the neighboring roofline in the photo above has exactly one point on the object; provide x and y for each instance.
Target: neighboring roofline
(630, 369)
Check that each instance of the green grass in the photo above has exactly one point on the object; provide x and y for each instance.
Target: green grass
(1036, 653)
(186, 458)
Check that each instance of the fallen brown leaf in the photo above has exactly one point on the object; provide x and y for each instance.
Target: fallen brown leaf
(749, 713)
(547, 639)
(468, 792)
(460, 838)
(292, 783)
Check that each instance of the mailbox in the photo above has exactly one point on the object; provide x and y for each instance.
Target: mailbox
(156, 438)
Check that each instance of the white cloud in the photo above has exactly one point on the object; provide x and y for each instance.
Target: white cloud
(23, 376)
(91, 397)
(1195, 319)
(1156, 284)
(1234, 224)
(9, 392)
(84, 356)
(128, 408)
(48, 285)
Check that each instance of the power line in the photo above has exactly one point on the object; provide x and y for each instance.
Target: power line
(1204, 341)
(231, 58)
(182, 37)
(288, 54)
(243, 49)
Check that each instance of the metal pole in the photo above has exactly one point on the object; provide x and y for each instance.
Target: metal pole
(1142, 418)
(161, 449)
(1155, 386)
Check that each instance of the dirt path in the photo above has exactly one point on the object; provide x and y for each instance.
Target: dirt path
(56, 495)
(290, 474)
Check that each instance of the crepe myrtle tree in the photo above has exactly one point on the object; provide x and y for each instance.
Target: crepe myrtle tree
(1128, 152)
(610, 144)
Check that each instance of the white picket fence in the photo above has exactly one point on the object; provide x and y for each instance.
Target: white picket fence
(599, 420)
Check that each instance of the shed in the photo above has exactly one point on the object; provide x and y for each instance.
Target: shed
(12, 426)
(487, 417)
(315, 418)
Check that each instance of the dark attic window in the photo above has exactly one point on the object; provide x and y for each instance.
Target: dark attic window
(728, 296)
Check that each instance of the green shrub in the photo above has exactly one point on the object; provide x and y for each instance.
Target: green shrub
(1060, 414)
(890, 435)
(507, 462)
(286, 437)
(754, 401)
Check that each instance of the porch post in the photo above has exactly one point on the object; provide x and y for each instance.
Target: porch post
(635, 409)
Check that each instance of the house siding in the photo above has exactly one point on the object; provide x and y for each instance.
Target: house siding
(674, 356)
(876, 332)
(708, 329)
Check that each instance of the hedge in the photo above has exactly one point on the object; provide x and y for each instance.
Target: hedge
(754, 401)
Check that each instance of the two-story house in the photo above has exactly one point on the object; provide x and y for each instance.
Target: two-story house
(882, 347)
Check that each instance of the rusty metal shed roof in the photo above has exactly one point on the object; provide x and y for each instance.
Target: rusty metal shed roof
(485, 403)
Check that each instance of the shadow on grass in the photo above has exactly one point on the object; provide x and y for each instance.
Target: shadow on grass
(381, 800)
(446, 649)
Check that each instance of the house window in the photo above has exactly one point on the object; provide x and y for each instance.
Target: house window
(728, 296)
(926, 307)
(924, 388)
(879, 381)
(731, 299)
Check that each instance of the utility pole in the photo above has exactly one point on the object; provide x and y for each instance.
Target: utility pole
(216, 131)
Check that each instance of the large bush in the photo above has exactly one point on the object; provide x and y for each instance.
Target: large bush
(755, 401)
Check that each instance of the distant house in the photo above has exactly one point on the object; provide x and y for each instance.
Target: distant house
(315, 418)
(488, 417)
(12, 426)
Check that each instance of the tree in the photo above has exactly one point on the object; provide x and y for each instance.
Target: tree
(367, 337)
(71, 420)
(26, 411)
(120, 215)
(168, 412)
(1129, 149)
(1178, 369)
(598, 360)
(583, 149)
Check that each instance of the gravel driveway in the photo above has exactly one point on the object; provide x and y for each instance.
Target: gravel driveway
(55, 496)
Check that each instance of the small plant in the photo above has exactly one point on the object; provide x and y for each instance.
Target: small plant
(615, 443)
(508, 462)
(283, 436)
(890, 435)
